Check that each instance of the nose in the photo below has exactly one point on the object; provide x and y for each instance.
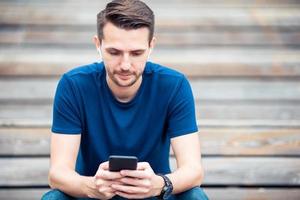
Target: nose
(125, 63)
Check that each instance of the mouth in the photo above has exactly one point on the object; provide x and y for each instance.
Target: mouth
(124, 76)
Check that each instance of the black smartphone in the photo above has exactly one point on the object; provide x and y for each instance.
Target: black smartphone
(117, 163)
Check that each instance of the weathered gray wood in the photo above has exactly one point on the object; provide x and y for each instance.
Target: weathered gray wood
(252, 171)
(253, 193)
(22, 194)
(194, 62)
(24, 171)
(25, 141)
(217, 194)
(212, 89)
(214, 141)
(82, 38)
(194, 15)
(218, 170)
(249, 141)
(208, 115)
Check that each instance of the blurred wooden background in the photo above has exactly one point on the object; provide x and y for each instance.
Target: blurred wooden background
(241, 57)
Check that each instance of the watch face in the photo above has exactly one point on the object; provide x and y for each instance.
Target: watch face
(167, 192)
(165, 188)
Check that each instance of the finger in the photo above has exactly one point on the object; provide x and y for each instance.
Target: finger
(104, 165)
(136, 174)
(136, 182)
(105, 190)
(130, 189)
(143, 166)
(102, 182)
(107, 175)
(130, 196)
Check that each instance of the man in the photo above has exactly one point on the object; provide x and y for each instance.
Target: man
(124, 106)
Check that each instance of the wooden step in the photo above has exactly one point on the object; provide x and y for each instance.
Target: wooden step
(218, 194)
(251, 90)
(208, 115)
(232, 193)
(214, 142)
(166, 15)
(192, 62)
(185, 38)
(226, 171)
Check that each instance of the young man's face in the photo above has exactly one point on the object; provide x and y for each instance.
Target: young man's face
(124, 53)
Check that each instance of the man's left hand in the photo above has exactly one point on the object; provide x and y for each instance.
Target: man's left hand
(140, 183)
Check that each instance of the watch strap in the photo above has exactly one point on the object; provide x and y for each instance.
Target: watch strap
(167, 189)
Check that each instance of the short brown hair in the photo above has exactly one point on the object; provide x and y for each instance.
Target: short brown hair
(126, 14)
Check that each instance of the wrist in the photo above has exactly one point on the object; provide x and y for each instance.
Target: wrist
(167, 189)
(88, 186)
(158, 186)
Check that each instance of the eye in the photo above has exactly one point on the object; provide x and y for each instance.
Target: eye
(114, 52)
(137, 53)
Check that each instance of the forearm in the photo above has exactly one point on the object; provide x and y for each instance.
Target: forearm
(186, 177)
(70, 182)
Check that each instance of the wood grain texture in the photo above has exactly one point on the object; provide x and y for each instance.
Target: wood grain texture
(253, 193)
(205, 90)
(83, 38)
(25, 141)
(214, 141)
(167, 15)
(249, 171)
(209, 61)
(250, 141)
(217, 194)
(14, 115)
(22, 194)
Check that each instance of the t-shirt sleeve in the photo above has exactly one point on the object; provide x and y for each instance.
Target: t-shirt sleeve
(181, 112)
(66, 115)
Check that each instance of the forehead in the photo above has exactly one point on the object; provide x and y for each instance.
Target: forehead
(115, 37)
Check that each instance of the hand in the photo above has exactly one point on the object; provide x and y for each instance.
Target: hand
(138, 184)
(104, 179)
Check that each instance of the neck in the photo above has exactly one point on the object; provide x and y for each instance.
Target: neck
(124, 94)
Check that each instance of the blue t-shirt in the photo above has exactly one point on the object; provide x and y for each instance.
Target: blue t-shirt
(163, 108)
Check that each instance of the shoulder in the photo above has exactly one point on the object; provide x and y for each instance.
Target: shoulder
(165, 77)
(85, 70)
(163, 73)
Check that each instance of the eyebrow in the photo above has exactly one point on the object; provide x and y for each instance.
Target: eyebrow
(118, 50)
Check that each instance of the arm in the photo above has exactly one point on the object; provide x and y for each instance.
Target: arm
(62, 175)
(143, 182)
(189, 172)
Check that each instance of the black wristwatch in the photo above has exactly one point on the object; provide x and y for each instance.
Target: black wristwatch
(167, 189)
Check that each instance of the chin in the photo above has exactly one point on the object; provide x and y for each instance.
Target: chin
(126, 83)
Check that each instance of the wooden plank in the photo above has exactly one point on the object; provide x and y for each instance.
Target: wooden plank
(82, 38)
(253, 193)
(212, 3)
(194, 15)
(249, 171)
(22, 194)
(205, 90)
(213, 193)
(24, 171)
(249, 141)
(214, 141)
(26, 141)
(207, 114)
(219, 193)
(193, 62)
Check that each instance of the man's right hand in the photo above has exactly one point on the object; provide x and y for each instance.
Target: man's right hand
(103, 181)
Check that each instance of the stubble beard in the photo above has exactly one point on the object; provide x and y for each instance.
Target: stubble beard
(121, 83)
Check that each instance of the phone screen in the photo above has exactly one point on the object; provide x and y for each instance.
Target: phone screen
(118, 163)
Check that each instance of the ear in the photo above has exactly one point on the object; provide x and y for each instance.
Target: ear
(152, 43)
(97, 42)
